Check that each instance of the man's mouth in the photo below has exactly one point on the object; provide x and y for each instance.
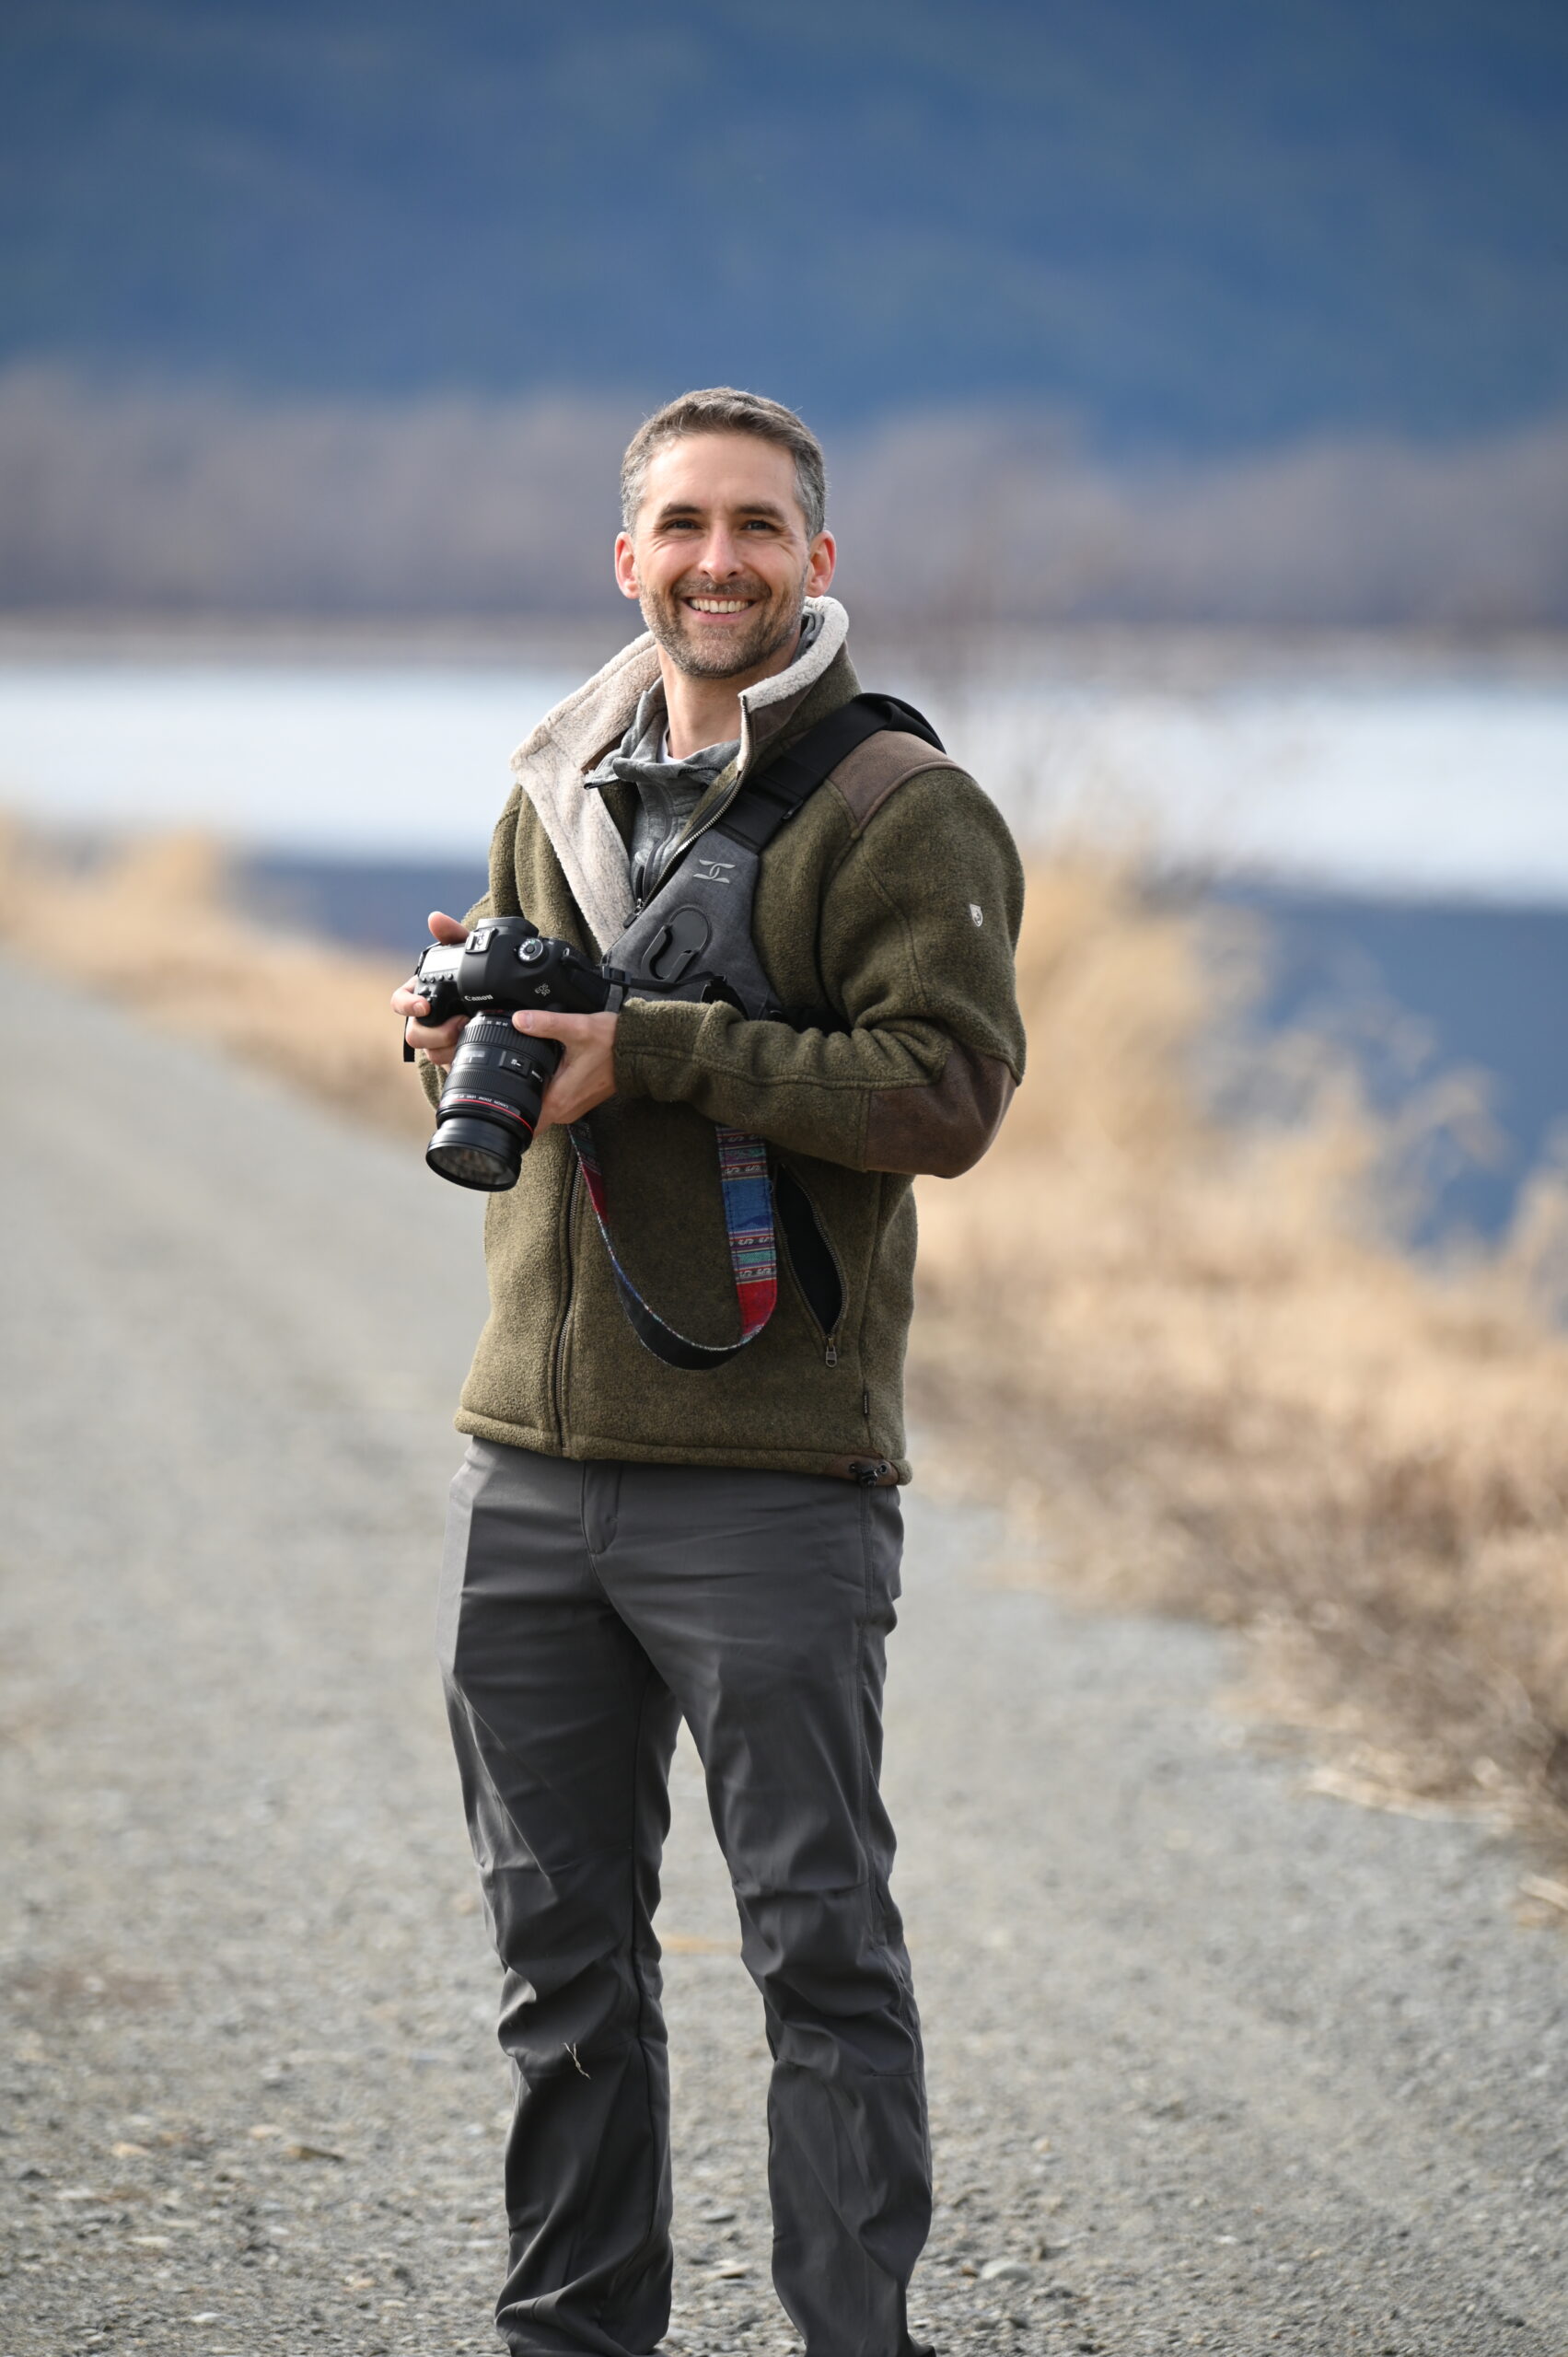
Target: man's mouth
(720, 605)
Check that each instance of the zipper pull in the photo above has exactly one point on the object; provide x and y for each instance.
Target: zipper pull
(831, 1355)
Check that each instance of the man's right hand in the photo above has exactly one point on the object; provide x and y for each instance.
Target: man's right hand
(439, 1040)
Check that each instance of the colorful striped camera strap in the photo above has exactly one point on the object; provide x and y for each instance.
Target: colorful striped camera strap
(753, 1252)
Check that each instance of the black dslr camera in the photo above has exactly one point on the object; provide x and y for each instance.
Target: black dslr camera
(489, 1106)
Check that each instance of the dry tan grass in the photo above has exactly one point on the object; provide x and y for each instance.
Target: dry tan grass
(1183, 1355)
(1189, 1363)
(154, 924)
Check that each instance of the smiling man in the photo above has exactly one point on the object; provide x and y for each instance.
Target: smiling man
(657, 1519)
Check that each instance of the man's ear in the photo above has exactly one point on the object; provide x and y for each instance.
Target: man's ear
(822, 557)
(625, 566)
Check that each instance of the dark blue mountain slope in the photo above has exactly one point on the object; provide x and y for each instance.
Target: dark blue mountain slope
(1187, 221)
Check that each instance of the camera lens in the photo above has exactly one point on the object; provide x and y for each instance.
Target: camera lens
(488, 1107)
(475, 1153)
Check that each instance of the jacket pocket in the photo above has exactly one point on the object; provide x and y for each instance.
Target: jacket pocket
(811, 1257)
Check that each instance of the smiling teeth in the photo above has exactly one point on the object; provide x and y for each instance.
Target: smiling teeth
(721, 605)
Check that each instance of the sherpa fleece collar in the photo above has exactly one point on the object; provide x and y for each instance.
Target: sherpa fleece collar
(551, 763)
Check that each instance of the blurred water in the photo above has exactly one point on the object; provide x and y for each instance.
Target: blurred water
(1425, 784)
(1414, 989)
(1431, 786)
(1406, 838)
(363, 759)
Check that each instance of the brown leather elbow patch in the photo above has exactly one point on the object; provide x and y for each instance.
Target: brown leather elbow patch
(940, 1126)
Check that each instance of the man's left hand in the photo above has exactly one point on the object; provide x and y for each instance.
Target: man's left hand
(585, 1074)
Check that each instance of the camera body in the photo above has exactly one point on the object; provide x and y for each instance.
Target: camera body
(490, 1103)
(506, 961)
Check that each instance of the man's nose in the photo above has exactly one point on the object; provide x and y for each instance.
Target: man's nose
(720, 558)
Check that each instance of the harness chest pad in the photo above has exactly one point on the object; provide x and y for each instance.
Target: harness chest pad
(693, 938)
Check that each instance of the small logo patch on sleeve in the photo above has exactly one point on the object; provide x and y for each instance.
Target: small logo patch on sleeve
(975, 913)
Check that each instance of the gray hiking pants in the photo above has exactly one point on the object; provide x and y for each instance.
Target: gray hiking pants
(585, 1610)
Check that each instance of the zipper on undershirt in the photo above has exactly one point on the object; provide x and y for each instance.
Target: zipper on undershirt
(677, 851)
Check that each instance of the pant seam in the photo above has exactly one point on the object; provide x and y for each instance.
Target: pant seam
(862, 1648)
(589, 1549)
(641, 1985)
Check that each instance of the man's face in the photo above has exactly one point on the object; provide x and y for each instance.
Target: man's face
(718, 557)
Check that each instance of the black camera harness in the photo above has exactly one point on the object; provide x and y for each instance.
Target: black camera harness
(693, 940)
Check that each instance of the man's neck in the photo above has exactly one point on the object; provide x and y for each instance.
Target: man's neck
(707, 711)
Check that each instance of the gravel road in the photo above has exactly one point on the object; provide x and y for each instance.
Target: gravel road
(1214, 2064)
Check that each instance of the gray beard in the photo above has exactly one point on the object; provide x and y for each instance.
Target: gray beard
(727, 663)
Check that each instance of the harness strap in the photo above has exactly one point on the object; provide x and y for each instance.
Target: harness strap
(753, 1254)
(760, 808)
(765, 804)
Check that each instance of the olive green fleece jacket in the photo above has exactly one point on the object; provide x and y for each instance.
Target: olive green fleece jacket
(892, 902)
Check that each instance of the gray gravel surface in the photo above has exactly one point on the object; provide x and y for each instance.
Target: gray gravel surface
(1215, 2065)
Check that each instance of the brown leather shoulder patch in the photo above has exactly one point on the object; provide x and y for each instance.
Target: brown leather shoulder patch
(876, 769)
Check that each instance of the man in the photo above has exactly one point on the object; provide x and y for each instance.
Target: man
(632, 1542)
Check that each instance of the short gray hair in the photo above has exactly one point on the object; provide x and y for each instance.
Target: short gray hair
(720, 409)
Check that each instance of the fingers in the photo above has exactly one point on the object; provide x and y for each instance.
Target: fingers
(445, 929)
(559, 1108)
(585, 1074)
(573, 1030)
(439, 1040)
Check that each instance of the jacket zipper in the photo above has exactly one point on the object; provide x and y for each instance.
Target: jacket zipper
(830, 1341)
(559, 1354)
(683, 843)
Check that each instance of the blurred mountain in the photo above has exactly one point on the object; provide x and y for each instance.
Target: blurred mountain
(189, 500)
(1189, 226)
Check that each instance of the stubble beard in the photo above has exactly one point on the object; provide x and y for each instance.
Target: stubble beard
(774, 622)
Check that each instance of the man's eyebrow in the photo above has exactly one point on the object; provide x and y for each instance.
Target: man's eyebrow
(675, 508)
